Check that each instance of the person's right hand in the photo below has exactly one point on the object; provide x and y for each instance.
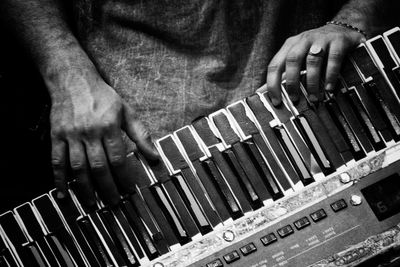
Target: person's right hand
(87, 118)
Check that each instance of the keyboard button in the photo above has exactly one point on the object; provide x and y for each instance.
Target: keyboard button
(318, 215)
(268, 239)
(339, 205)
(285, 231)
(231, 257)
(215, 263)
(302, 223)
(248, 249)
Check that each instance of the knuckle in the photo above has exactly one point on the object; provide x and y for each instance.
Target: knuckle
(312, 84)
(313, 61)
(335, 55)
(78, 166)
(57, 163)
(98, 166)
(273, 67)
(117, 160)
(293, 58)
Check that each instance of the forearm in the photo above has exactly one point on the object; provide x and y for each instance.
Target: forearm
(41, 27)
(371, 16)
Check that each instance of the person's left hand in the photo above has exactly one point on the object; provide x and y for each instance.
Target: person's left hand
(328, 44)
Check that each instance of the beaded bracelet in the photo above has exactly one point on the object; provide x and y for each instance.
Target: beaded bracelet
(348, 26)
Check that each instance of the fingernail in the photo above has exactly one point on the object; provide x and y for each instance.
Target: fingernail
(60, 195)
(313, 98)
(329, 87)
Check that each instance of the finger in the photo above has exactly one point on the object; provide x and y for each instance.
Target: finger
(294, 63)
(80, 171)
(314, 64)
(274, 74)
(116, 154)
(59, 165)
(138, 133)
(100, 172)
(336, 55)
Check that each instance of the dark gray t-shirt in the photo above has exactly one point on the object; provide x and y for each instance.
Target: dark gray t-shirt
(175, 60)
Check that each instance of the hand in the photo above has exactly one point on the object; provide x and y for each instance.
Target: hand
(87, 117)
(329, 43)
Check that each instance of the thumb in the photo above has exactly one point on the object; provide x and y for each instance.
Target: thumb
(139, 134)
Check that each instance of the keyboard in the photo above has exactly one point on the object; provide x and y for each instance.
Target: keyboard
(300, 184)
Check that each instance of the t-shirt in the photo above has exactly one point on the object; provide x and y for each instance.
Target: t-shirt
(176, 60)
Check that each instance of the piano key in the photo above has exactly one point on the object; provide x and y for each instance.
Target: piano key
(220, 200)
(366, 122)
(337, 138)
(242, 115)
(173, 211)
(354, 83)
(346, 130)
(375, 80)
(392, 38)
(156, 235)
(329, 157)
(222, 161)
(192, 192)
(144, 183)
(27, 250)
(285, 117)
(162, 175)
(140, 230)
(386, 63)
(70, 213)
(55, 225)
(34, 229)
(265, 189)
(118, 237)
(294, 169)
(348, 113)
(6, 252)
(90, 234)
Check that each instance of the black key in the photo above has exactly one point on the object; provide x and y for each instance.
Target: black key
(27, 250)
(127, 229)
(354, 83)
(221, 160)
(118, 237)
(194, 153)
(6, 253)
(172, 215)
(334, 133)
(247, 126)
(319, 140)
(231, 167)
(293, 154)
(189, 180)
(189, 228)
(156, 235)
(56, 226)
(349, 114)
(378, 84)
(389, 66)
(144, 183)
(160, 217)
(34, 229)
(93, 239)
(346, 130)
(140, 230)
(248, 160)
(263, 117)
(365, 121)
(285, 117)
(394, 39)
(71, 214)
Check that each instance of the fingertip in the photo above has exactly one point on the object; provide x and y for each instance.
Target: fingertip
(329, 87)
(294, 97)
(275, 100)
(60, 194)
(313, 98)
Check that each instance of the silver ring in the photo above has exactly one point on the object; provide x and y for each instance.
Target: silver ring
(316, 51)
